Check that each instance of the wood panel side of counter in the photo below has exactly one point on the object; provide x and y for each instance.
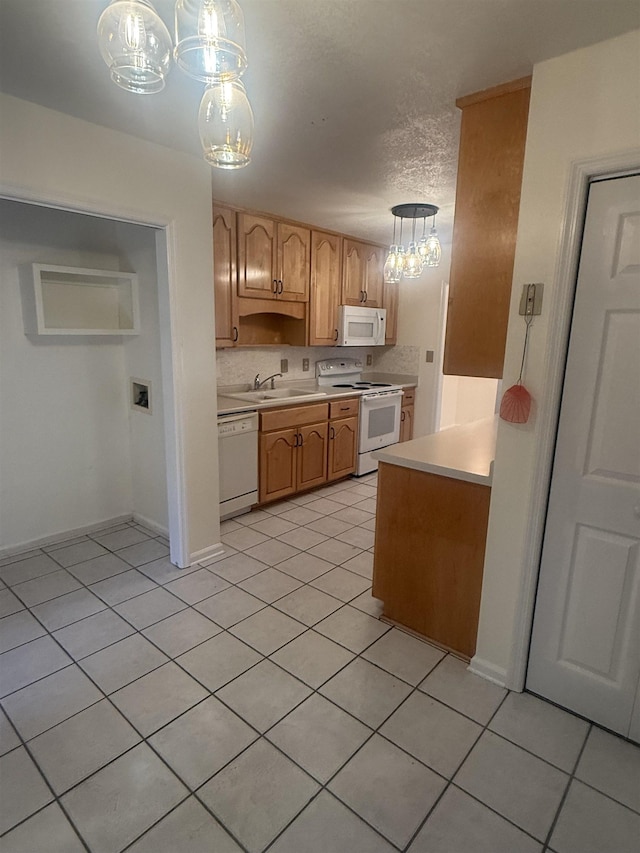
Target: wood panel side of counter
(429, 553)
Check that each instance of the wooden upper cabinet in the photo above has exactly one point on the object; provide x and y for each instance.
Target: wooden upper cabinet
(362, 274)
(257, 256)
(294, 262)
(390, 303)
(374, 276)
(492, 143)
(324, 298)
(224, 275)
(273, 259)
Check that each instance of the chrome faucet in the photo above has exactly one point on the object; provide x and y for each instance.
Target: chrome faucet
(258, 384)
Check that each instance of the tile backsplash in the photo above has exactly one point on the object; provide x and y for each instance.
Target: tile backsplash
(237, 366)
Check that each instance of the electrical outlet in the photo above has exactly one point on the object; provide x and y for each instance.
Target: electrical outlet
(305, 365)
(429, 358)
(284, 365)
(369, 359)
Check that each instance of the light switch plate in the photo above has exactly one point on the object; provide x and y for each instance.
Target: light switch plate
(531, 300)
(284, 365)
(369, 359)
(305, 365)
(429, 358)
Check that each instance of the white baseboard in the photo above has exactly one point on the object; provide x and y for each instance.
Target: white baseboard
(206, 553)
(152, 525)
(67, 534)
(488, 670)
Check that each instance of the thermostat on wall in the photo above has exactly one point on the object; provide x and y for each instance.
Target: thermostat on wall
(140, 395)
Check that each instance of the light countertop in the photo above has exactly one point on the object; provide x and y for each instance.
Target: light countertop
(227, 405)
(461, 452)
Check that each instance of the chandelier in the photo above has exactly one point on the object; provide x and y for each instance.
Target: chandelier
(210, 47)
(425, 253)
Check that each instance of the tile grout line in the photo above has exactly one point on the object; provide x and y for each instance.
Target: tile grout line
(565, 794)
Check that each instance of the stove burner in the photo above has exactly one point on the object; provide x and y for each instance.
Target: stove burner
(345, 385)
(373, 384)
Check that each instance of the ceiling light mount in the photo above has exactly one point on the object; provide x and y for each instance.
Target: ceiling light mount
(414, 211)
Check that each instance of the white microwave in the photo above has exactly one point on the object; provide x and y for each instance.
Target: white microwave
(361, 327)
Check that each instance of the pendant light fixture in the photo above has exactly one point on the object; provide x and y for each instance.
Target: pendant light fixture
(225, 122)
(210, 44)
(136, 46)
(418, 255)
(210, 47)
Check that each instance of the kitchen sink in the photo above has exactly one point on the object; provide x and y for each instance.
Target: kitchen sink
(262, 396)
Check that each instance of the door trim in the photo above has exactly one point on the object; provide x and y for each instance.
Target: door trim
(581, 172)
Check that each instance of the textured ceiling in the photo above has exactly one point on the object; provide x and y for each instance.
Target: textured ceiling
(353, 99)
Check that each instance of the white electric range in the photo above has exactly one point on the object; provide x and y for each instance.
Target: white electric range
(380, 406)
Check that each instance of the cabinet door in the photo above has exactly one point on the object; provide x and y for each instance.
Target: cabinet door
(406, 423)
(353, 272)
(374, 258)
(326, 268)
(312, 455)
(256, 256)
(390, 302)
(224, 275)
(492, 141)
(343, 447)
(294, 262)
(277, 475)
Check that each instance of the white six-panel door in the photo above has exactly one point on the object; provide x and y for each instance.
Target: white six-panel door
(585, 648)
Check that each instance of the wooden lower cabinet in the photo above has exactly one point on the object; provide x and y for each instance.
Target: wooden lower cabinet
(429, 554)
(311, 460)
(406, 414)
(278, 454)
(301, 447)
(343, 447)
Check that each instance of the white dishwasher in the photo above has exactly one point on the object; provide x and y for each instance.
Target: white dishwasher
(238, 462)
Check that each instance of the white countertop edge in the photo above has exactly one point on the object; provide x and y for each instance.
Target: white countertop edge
(462, 452)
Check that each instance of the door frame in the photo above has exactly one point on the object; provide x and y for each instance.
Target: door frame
(581, 174)
(171, 385)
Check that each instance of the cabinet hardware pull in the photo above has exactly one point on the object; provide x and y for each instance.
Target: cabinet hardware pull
(365, 296)
(335, 337)
(235, 334)
(274, 286)
(344, 408)
(301, 439)
(280, 286)
(402, 415)
(295, 440)
(332, 433)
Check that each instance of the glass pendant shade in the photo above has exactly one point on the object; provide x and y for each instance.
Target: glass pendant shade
(412, 262)
(393, 265)
(225, 122)
(433, 250)
(210, 42)
(136, 45)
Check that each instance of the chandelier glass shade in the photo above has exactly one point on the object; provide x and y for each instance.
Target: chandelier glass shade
(210, 47)
(425, 253)
(225, 122)
(210, 43)
(136, 46)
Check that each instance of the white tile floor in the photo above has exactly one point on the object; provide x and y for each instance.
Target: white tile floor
(257, 703)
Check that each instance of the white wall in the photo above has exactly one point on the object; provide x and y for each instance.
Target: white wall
(420, 325)
(584, 105)
(63, 161)
(466, 399)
